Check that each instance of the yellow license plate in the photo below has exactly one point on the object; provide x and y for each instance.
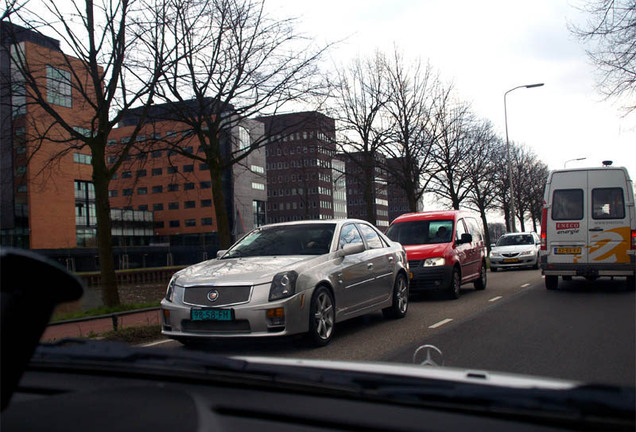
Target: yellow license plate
(511, 260)
(568, 251)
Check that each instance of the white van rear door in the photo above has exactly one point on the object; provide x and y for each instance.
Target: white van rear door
(609, 230)
(567, 224)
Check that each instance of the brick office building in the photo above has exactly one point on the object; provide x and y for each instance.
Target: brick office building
(299, 153)
(39, 198)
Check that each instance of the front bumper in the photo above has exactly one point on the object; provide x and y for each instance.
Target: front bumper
(249, 319)
(430, 278)
(503, 262)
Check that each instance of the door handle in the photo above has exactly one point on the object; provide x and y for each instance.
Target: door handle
(390, 259)
(596, 229)
(370, 266)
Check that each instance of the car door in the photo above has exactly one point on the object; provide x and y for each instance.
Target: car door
(381, 262)
(609, 228)
(352, 274)
(465, 251)
(567, 224)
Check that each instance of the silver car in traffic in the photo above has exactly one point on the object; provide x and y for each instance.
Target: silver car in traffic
(289, 278)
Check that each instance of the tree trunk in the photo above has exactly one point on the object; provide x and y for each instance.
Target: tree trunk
(110, 294)
(484, 221)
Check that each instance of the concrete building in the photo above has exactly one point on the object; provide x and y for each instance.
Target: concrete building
(299, 153)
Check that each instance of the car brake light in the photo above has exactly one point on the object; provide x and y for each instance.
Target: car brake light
(633, 240)
(544, 229)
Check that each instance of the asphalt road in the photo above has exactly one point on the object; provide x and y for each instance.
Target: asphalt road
(584, 331)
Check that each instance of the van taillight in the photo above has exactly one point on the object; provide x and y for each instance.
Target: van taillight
(544, 229)
(633, 240)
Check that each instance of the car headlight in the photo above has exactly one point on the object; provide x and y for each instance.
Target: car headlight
(283, 285)
(434, 262)
(495, 254)
(170, 291)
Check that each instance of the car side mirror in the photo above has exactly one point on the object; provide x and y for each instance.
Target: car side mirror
(466, 238)
(351, 249)
(220, 253)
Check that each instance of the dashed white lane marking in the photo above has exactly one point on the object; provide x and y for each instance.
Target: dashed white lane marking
(525, 285)
(441, 323)
(494, 299)
(157, 343)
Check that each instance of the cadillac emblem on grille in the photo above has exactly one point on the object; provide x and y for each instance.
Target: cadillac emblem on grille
(213, 295)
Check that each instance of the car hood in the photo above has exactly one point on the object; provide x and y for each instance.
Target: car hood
(420, 252)
(513, 248)
(249, 270)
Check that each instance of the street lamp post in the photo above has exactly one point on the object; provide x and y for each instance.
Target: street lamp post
(512, 194)
(572, 160)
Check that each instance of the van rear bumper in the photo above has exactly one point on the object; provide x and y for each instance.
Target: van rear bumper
(627, 269)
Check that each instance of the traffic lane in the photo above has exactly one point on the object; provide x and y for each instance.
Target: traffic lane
(373, 338)
(584, 331)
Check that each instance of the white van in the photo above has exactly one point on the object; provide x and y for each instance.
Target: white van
(588, 225)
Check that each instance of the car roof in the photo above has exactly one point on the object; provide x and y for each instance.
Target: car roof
(517, 233)
(428, 215)
(315, 222)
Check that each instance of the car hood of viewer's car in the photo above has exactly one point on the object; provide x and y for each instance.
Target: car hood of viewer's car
(513, 248)
(252, 270)
(419, 252)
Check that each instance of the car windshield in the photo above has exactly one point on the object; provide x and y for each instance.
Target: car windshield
(421, 232)
(310, 239)
(516, 240)
(326, 180)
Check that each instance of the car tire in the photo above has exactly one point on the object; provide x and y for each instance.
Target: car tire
(191, 342)
(567, 278)
(400, 296)
(493, 269)
(322, 317)
(551, 282)
(455, 284)
(630, 283)
(536, 265)
(480, 284)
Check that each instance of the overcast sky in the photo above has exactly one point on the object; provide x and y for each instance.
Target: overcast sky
(486, 48)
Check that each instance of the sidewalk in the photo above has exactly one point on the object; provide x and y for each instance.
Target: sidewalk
(99, 325)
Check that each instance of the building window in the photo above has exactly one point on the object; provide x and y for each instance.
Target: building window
(206, 203)
(58, 87)
(22, 188)
(157, 189)
(157, 171)
(206, 221)
(127, 192)
(82, 158)
(143, 207)
(188, 186)
(157, 207)
(204, 167)
(258, 186)
(21, 169)
(190, 222)
(244, 139)
(173, 206)
(257, 169)
(156, 153)
(206, 185)
(112, 193)
(258, 208)
(141, 173)
(159, 224)
(126, 174)
(189, 204)
(173, 187)
(173, 170)
(188, 168)
(175, 224)
(142, 191)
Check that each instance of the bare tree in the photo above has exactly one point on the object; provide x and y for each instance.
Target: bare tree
(360, 97)
(231, 61)
(529, 176)
(483, 169)
(416, 95)
(100, 78)
(611, 31)
(452, 151)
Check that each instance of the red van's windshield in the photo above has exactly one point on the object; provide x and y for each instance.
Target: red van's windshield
(421, 232)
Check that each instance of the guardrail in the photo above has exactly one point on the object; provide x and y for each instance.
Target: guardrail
(151, 275)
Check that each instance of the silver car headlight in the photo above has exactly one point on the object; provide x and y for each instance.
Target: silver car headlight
(170, 290)
(434, 262)
(495, 254)
(283, 285)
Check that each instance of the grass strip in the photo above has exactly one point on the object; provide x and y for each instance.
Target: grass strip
(103, 310)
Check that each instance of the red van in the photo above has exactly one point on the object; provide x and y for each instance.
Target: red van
(445, 249)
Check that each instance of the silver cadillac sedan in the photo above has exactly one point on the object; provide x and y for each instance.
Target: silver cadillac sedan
(289, 278)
